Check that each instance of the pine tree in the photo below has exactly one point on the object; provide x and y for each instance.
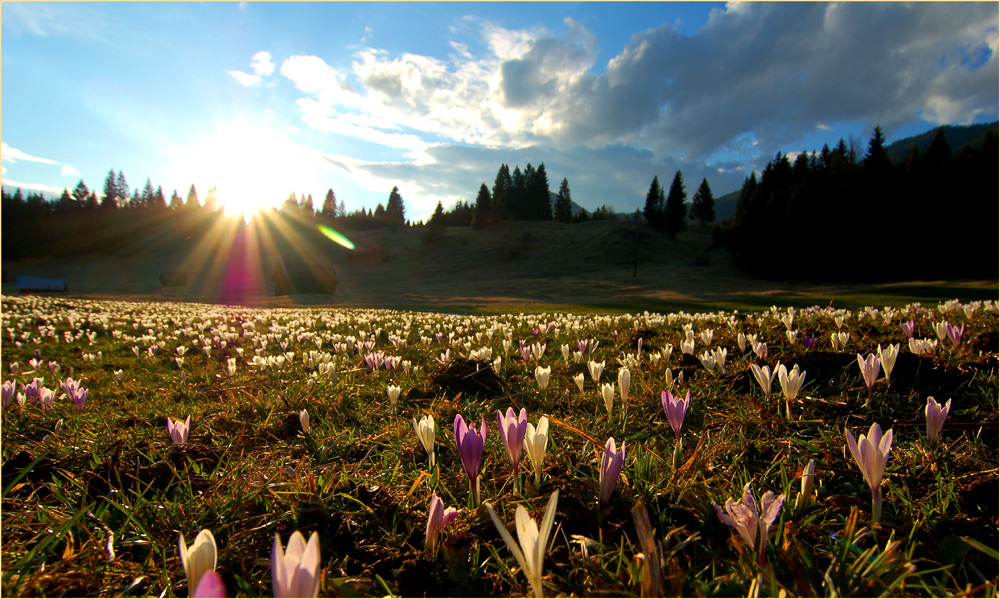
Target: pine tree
(80, 192)
(380, 212)
(877, 159)
(329, 204)
(515, 197)
(702, 207)
(176, 203)
(192, 199)
(564, 203)
(655, 205)
(308, 209)
(395, 212)
(481, 218)
(121, 187)
(675, 208)
(158, 202)
(211, 200)
(501, 192)
(110, 190)
(541, 201)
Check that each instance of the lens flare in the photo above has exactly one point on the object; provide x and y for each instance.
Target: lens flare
(336, 236)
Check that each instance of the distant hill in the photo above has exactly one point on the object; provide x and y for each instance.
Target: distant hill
(956, 136)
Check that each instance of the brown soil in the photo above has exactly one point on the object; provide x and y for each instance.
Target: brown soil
(601, 264)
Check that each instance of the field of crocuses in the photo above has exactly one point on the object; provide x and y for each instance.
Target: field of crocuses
(155, 449)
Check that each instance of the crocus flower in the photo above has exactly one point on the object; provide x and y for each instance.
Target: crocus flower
(578, 379)
(14, 368)
(512, 430)
(707, 360)
(197, 558)
(791, 383)
(535, 441)
(955, 334)
(887, 357)
(470, 445)
(908, 328)
(304, 421)
(748, 522)
(624, 380)
(935, 418)
(7, 393)
(178, 430)
(764, 377)
(425, 432)
(46, 397)
(596, 368)
(675, 410)
(393, 392)
(872, 454)
(295, 571)
(542, 376)
(808, 480)
(210, 585)
(608, 392)
(870, 368)
(611, 468)
(534, 541)
(438, 517)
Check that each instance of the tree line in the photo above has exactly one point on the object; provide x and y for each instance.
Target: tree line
(832, 214)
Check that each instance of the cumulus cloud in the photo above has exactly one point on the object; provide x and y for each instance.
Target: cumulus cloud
(69, 171)
(715, 103)
(261, 64)
(52, 189)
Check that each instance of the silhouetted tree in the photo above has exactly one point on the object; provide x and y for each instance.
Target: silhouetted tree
(564, 203)
(703, 204)
(675, 207)
(481, 218)
(655, 208)
(395, 212)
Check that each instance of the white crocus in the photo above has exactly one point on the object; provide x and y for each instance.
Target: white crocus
(608, 392)
(304, 421)
(578, 379)
(425, 432)
(534, 541)
(542, 376)
(536, 440)
(197, 558)
(393, 392)
(624, 380)
(596, 368)
(887, 357)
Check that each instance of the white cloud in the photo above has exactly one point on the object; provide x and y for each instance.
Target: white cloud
(262, 64)
(245, 78)
(53, 189)
(10, 154)
(69, 171)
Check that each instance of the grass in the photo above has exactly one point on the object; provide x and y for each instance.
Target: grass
(96, 509)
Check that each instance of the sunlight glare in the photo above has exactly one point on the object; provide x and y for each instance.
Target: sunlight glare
(336, 236)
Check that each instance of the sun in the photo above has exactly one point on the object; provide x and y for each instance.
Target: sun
(250, 167)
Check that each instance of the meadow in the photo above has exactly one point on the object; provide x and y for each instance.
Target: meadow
(752, 489)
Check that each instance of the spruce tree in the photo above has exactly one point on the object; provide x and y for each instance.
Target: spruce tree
(110, 190)
(121, 187)
(703, 204)
(192, 198)
(675, 209)
(515, 197)
(501, 193)
(655, 205)
(176, 203)
(541, 201)
(564, 203)
(329, 209)
(481, 218)
(395, 212)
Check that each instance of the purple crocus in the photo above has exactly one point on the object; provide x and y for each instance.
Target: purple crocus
(955, 334)
(512, 429)
(871, 452)
(870, 369)
(581, 345)
(179, 430)
(908, 328)
(470, 445)
(611, 468)
(675, 409)
(748, 521)
(210, 585)
(438, 517)
(77, 394)
(7, 395)
(935, 418)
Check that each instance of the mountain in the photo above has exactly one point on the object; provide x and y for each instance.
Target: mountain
(956, 136)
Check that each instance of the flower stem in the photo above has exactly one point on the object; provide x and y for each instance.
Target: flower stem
(877, 505)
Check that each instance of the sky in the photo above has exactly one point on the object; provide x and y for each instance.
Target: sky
(263, 99)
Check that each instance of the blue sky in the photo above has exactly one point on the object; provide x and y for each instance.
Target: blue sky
(263, 99)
